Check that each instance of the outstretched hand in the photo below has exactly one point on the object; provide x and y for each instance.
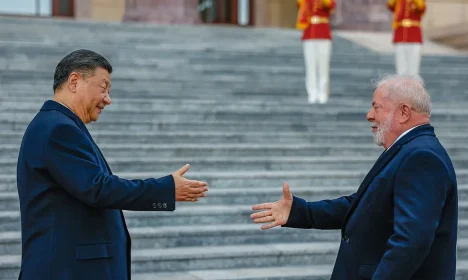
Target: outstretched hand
(188, 190)
(274, 213)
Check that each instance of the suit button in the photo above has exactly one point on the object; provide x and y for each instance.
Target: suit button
(347, 239)
(154, 205)
(164, 205)
(159, 205)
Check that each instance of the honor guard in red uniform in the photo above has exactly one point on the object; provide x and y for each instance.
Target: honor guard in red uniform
(313, 18)
(407, 36)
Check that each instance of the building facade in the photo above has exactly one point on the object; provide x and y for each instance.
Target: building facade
(443, 18)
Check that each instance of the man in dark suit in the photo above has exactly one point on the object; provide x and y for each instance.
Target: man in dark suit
(72, 223)
(402, 221)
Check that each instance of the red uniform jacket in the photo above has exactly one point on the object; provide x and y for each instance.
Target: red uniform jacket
(313, 18)
(406, 20)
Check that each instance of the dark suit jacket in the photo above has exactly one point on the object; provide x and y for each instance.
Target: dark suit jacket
(402, 222)
(72, 225)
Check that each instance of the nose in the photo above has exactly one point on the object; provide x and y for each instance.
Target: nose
(370, 116)
(107, 100)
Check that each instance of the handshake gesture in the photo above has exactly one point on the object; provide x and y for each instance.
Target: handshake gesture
(274, 213)
(188, 190)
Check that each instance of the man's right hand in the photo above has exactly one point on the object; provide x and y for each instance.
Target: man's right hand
(274, 213)
(188, 190)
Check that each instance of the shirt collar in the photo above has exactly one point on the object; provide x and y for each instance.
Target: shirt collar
(65, 106)
(401, 135)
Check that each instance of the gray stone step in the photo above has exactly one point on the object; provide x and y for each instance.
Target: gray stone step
(131, 54)
(249, 91)
(9, 266)
(197, 236)
(236, 150)
(240, 150)
(206, 68)
(462, 228)
(337, 96)
(230, 113)
(33, 103)
(221, 257)
(462, 247)
(237, 196)
(222, 111)
(163, 38)
(199, 63)
(192, 58)
(219, 115)
(153, 40)
(261, 179)
(191, 137)
(185, 84)
(184, 215)
(20, 107)
(137, 103)
(210, 214)
(254, 125)
(227, 85)
(241, 196)
(280, 46)
(306, 272)
(148, 54)
(155, 162)
(10, 221)
(216, 257)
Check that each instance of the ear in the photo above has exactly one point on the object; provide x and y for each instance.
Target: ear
(405, 113)
(73, 81)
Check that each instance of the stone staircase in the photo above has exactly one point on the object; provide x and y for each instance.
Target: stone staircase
(231, 102)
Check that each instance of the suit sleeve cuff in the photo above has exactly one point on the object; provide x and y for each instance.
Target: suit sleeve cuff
(164, 194)
(299, 215)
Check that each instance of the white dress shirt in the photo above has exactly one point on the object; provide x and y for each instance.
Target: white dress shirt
(403, 134)
(65, 106)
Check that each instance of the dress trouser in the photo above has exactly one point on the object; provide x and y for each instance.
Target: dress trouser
(317, 55)
(407, 58)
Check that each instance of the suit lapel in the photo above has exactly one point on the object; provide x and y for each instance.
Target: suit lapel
(99, 152)
(86, 131)
(95, 146)
(53, 105)
(383, 160)
(379, 165)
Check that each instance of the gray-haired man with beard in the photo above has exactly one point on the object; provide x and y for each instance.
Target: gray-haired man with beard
(402, 221)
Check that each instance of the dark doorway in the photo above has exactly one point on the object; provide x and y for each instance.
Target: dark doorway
(63, 8)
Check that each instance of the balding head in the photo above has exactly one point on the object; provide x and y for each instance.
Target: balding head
(400, 102)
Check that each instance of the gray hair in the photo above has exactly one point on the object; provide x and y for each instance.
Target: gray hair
(406, 88)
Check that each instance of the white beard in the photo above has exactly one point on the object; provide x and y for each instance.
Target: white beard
(383, 129)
